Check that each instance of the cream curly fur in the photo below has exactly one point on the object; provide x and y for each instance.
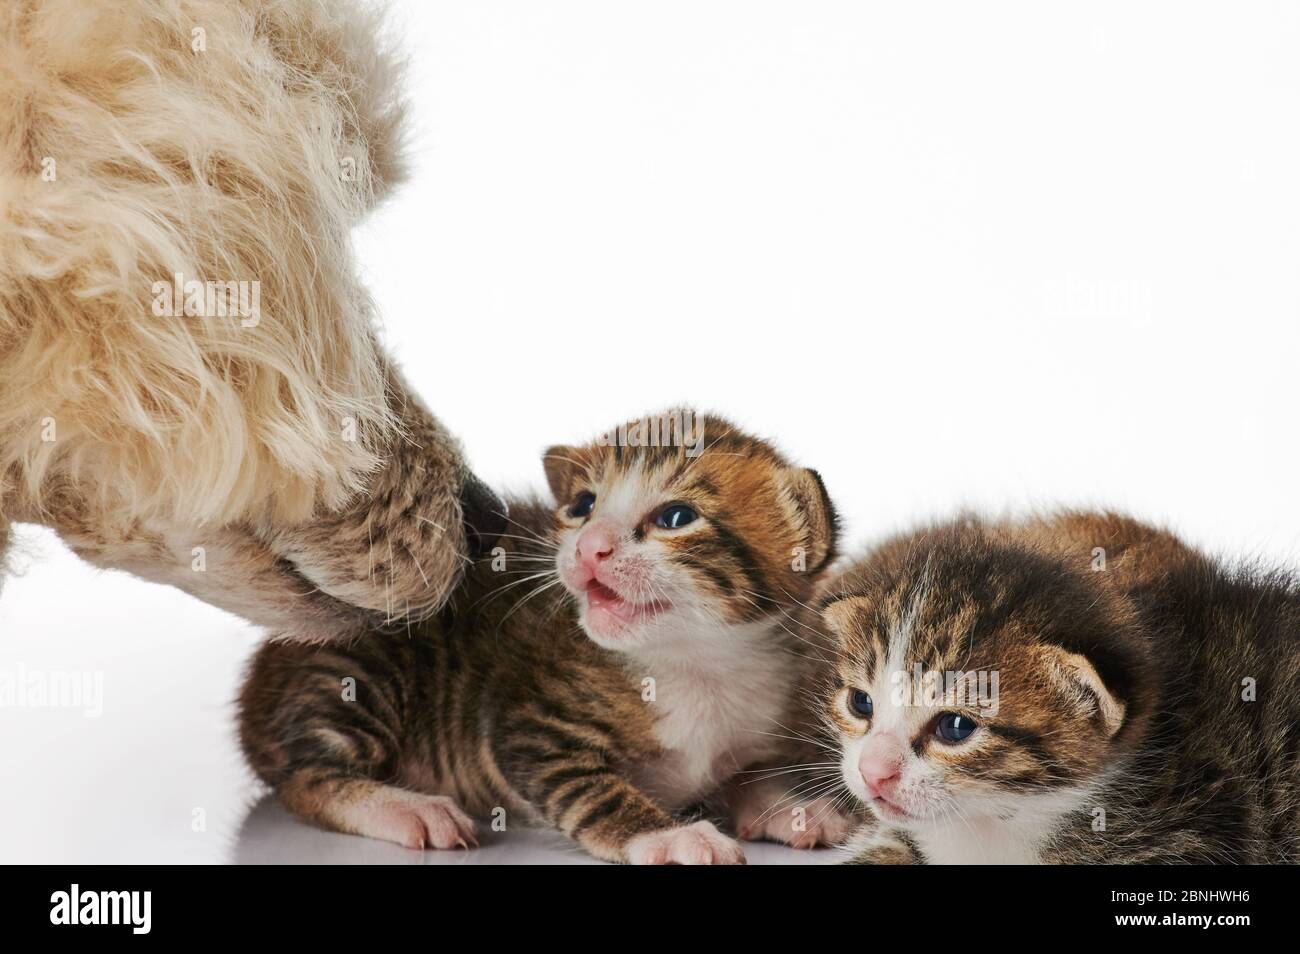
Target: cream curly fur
(225, 141)
(223, 165)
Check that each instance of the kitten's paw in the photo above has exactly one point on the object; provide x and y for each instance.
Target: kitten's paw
(881, 848)
(413, 820)
(813, 824)
(697, 844)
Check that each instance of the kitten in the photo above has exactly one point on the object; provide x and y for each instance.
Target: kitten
(653, 663)
(1144, 703)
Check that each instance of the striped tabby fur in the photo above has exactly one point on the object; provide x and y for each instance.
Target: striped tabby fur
(515, 704)
(1148, 707)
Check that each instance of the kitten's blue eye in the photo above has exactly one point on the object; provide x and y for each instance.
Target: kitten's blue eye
(860, 703)
(583, 506)
(954, 728)
(678, 515)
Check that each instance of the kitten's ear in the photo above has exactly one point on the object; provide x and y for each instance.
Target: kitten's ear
(845, 615)
(1081, 680)
(563, 468)
(818, 513)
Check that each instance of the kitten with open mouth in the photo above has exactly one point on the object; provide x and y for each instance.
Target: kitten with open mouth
(655, 664)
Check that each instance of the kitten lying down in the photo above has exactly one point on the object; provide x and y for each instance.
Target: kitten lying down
(1126, 699)
(616, 662)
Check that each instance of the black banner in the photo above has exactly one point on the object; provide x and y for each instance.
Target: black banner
(137, 904)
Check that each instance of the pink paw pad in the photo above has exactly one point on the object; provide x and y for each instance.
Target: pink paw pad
(817, 823)
(696, 844)
(415, 821)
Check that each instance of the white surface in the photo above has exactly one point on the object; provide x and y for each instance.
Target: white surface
(156, 776)
(270, 836)
(999, 255)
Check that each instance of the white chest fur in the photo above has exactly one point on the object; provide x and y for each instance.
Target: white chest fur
(1016, 838)
(716, 712)
(978, 843)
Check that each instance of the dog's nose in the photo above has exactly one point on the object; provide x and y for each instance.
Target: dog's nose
(483, 515)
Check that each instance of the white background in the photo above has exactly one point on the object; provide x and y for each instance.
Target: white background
(990, 255)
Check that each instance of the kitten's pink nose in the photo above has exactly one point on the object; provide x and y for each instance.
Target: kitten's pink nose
(880, 764)
(596, 543)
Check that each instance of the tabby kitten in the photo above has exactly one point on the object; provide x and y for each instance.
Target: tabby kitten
(652, 664)
(1145, 703)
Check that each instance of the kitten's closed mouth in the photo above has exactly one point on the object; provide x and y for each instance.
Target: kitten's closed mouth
(889, 811)
(604, 601)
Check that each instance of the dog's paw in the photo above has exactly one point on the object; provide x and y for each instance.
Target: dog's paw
(696, 844)
(413, 820)
(812, 824)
